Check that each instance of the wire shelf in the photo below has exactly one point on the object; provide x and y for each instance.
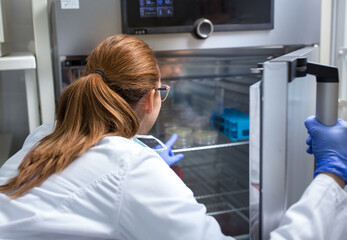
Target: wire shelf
(218, 178)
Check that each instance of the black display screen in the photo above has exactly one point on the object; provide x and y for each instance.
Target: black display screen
(165, 16)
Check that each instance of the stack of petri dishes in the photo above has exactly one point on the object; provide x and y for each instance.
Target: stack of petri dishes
(205, 137)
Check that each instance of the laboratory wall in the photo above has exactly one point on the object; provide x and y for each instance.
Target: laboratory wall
(13, 106)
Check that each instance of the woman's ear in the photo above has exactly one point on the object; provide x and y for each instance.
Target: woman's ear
(149, 101)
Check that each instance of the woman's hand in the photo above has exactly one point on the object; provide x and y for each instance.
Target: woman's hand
(329, 146)
(169, 157)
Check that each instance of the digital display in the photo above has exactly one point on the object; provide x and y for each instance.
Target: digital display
(156, 8)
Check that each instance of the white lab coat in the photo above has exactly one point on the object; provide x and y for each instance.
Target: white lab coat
(320, 214)
(121, 190)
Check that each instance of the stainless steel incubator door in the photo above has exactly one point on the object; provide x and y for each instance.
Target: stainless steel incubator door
(279, 106)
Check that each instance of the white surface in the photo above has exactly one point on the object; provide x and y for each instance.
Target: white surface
(325, 35)
(5, 146)
(17, 61)
(70, 4)
(341, 47)
(334, 39)
(32, 99)
(44, 60)
(343, 109)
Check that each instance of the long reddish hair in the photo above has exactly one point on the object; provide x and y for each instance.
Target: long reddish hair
(92, 108)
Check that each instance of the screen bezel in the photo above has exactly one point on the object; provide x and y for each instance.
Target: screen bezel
(190, 28)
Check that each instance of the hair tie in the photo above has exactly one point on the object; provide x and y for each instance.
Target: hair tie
(101, 73)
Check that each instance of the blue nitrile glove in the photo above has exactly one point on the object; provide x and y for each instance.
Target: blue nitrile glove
(329, 146)
(169, 157)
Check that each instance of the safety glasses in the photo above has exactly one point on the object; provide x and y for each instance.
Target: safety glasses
(164, 91)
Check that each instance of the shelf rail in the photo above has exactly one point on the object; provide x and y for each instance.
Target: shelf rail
(189, 149)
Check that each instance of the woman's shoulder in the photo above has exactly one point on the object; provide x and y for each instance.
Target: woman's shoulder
(121, 144)
(120, 149)
(39, 133)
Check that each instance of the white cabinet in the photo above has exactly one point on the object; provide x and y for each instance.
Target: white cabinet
(26, 62)
(38, 72)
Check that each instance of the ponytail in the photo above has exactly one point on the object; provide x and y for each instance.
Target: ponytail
(88, 111)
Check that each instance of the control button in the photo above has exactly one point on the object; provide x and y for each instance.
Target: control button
(203, 28)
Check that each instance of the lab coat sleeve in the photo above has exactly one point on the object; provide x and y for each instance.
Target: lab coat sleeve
(156, 204)
(321, 213)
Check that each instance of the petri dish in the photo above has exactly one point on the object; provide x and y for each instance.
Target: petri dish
(184, 136)
(205, 137)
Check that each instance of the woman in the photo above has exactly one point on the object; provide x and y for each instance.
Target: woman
(88, 177)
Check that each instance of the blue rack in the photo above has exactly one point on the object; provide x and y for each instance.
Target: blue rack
(232, 123)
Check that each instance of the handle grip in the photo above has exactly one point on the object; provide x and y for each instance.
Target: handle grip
(327, 92)
(327, 102)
